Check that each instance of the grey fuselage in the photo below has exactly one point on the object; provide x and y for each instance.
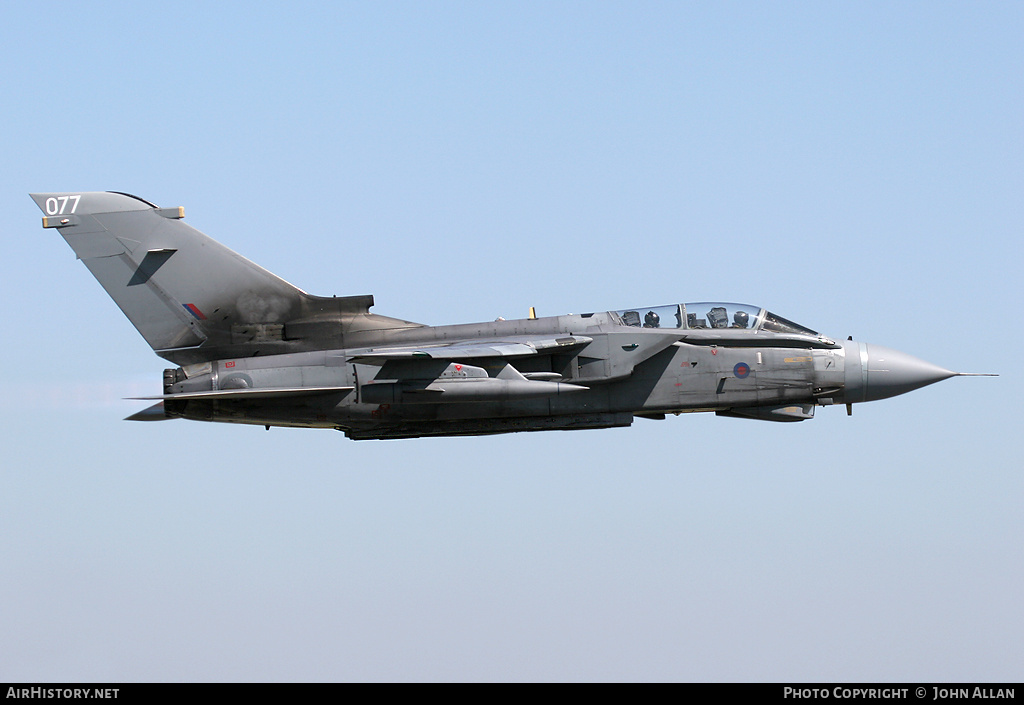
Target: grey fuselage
(622, 372)
(254, 349)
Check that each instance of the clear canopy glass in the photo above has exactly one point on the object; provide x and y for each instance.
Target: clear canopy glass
(708, 314)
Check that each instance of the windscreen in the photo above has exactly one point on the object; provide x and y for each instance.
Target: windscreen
(778, 324)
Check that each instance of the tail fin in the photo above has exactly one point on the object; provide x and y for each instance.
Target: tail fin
(190, 297)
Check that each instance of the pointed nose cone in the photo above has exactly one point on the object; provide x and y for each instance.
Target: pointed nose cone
(891, 372)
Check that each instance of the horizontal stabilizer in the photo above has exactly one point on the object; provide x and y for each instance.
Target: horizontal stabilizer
(247, 394)
(152, 413)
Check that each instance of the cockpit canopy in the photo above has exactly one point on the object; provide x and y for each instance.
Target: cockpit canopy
(710, 315)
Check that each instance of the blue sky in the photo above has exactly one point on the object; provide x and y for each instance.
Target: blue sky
(856, 167)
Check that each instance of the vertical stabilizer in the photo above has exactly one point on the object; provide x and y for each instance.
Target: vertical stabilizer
(178, 287)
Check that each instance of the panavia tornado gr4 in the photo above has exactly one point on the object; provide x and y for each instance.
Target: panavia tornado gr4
(251, 348)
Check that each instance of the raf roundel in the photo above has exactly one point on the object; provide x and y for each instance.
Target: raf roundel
(741, 370)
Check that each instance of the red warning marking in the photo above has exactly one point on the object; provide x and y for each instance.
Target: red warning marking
(229, 364)
(458, 368)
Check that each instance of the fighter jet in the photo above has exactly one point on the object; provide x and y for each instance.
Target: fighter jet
(251, 348)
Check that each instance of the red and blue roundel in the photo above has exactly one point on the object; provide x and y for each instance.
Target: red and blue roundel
(741, 370)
